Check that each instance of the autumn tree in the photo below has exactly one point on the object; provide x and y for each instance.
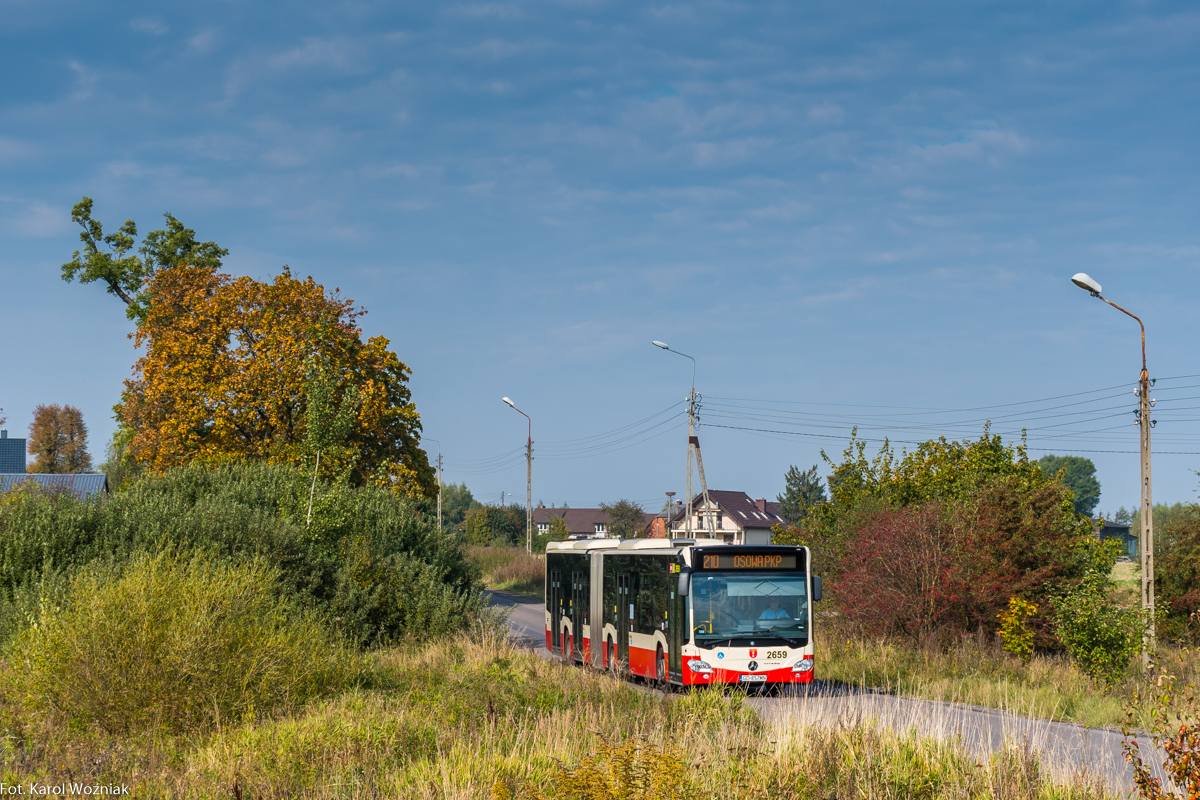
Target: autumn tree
(628, 519)
(58, 440)
(231, 366)
(108, 258)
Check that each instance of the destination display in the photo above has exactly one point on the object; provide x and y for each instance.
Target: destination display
(748, 561)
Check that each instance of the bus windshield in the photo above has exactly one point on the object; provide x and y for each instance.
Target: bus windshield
(731, 606)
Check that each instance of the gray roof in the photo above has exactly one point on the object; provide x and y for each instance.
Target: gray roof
(579, 520)
(83, 485)
(740, 508)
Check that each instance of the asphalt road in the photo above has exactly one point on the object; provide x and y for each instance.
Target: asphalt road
(1064, 749)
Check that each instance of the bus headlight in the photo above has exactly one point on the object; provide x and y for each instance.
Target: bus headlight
(702, 667)
(803, 665)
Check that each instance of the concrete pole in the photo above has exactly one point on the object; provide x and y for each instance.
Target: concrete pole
(529, 490)
(439, 492)
(1147, 518)
(1144, 494)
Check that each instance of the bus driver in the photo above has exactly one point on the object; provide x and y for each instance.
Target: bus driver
(773, 611)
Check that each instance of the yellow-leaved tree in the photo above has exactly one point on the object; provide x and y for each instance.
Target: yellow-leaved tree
(229, 367)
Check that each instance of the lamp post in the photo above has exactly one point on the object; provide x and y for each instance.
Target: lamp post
(1087, 283)
(439, 476)
(693, 440)
(528, 478)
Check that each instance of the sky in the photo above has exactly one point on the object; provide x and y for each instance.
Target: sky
(849, 214)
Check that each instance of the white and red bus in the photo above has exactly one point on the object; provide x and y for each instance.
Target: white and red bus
(684, 611)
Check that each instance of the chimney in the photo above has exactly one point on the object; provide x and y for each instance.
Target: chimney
(3, 434)
(762, 504)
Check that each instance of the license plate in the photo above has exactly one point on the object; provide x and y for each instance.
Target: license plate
(752, 678)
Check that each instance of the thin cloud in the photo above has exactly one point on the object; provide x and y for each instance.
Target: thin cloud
(150, 25)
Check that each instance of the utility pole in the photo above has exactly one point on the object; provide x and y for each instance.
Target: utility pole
(528, 478)
(1086, 282)
(693, 442)
(439, 492)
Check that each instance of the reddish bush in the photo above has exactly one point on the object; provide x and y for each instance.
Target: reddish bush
(930, 567)
(901, 573)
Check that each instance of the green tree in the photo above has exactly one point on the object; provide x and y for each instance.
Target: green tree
(557, 533)
(119, 465)
(108, 257)
(489, 525)
(628, 519)
(1079, 475)
(802, 489)
(457, 502)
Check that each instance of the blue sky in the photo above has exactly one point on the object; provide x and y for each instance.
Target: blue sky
(874, 207)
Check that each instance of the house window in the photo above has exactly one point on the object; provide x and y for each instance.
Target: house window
(543, 527)
(601, 528)
(728, 538)
(720, 520)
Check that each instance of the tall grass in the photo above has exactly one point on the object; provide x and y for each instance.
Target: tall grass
(478, 718)
(182, 644)
(975, 669)
(510, 569)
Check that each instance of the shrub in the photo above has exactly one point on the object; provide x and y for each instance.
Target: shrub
(1101, 637)
(632, 770)
(1174, 711)
(899, 574)
(174, 643)
(383, 597)
(1014, 628)
(240, 512)
(942, 537)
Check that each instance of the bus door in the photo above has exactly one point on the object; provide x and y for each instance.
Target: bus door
(578, 610)
(555, 603)
(626, 592)
(677, 628)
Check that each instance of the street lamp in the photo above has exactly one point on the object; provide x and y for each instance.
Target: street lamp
(528, 478)
(1089, 284)
(693, 440)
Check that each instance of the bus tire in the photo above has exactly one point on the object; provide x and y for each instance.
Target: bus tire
(660, 666)
(613, 667)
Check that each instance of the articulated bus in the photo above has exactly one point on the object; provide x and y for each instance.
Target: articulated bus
(685, 611)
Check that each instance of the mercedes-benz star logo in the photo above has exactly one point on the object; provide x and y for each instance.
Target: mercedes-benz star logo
(753, 665)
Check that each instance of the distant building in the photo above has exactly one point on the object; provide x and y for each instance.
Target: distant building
(581, 523)
(734, 516)
(1123, 534)
(12, 454)
(84, 485)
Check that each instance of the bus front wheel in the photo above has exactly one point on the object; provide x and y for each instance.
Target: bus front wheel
(612, 658)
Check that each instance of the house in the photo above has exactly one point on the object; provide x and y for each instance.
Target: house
(85, 485)
(582, 523)
(734, 516)
(12, 454)
(1122, 533)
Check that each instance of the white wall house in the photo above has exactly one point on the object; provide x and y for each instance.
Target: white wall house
(733, 516)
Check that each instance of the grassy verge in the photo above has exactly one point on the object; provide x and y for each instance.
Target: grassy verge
(510, 569)
(976, 670)
(474, 717)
